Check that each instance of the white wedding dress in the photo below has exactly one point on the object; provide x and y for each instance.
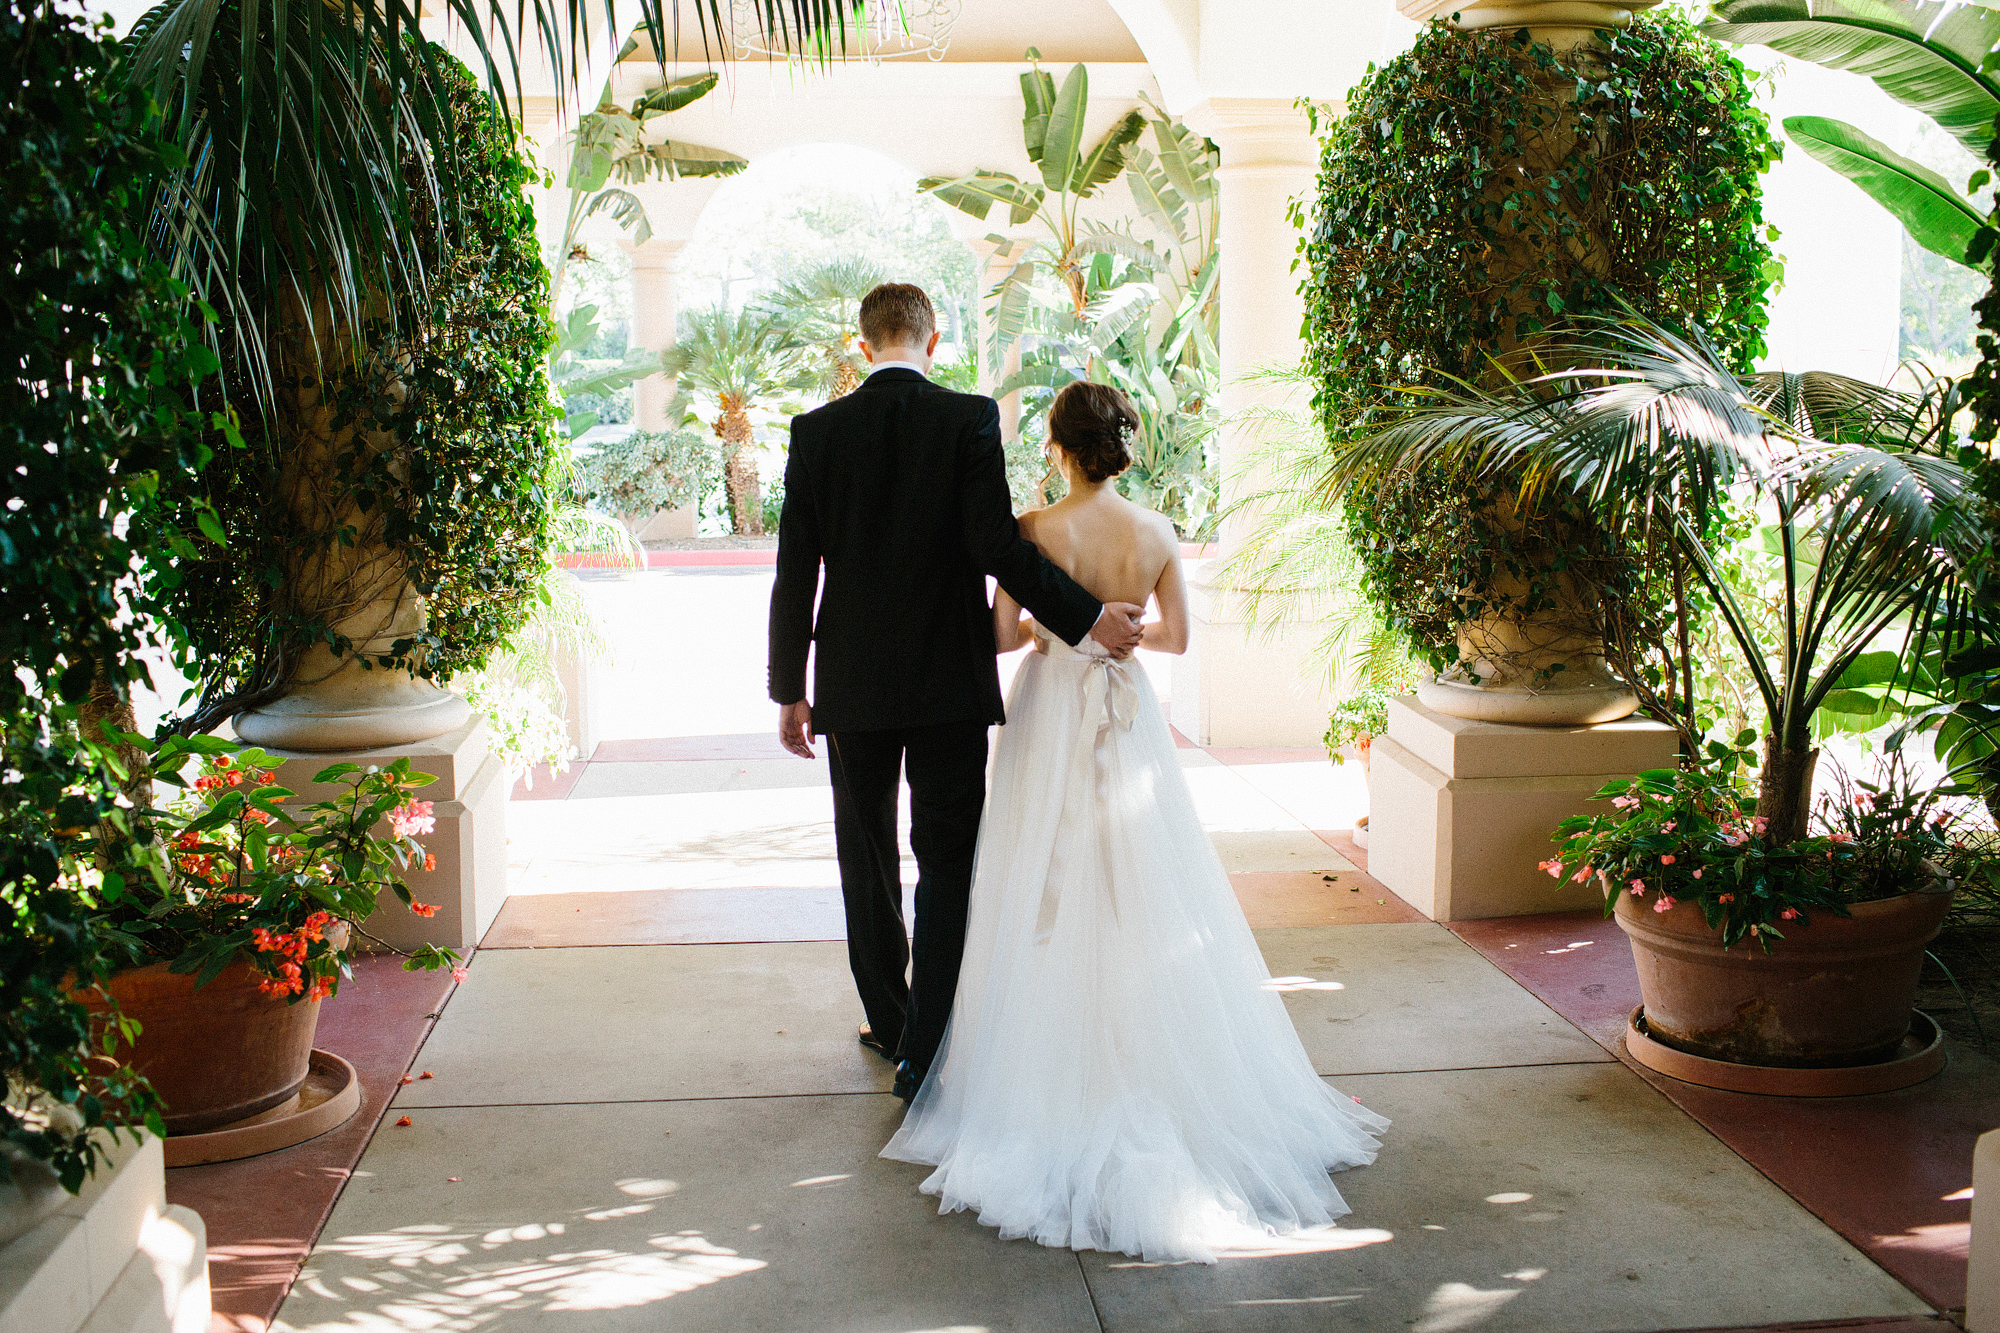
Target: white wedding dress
(1119, 1073)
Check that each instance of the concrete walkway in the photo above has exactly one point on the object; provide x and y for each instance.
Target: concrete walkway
(646, 1109)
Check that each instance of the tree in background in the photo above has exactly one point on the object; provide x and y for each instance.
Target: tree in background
(1088, 300)
(821, 307)
(612, 142)
(742, 359)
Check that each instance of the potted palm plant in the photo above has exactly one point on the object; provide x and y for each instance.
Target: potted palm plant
(1870, 509)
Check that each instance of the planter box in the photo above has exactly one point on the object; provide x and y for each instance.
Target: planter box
(469, 799)
(114, 1259)
(1460, 812)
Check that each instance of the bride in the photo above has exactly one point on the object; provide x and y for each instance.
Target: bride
(1119, 1073)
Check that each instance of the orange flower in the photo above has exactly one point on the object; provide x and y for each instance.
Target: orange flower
(430, 861)
(404, 1121)
(424, 909)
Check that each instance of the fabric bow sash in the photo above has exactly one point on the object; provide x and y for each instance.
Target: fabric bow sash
(1110, 700)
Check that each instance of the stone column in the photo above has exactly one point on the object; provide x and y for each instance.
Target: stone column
(654, 314)
(993, 267)
(349, 708)
(1235, 686)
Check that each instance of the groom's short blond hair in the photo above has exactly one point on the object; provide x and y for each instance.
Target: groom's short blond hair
(897, 314)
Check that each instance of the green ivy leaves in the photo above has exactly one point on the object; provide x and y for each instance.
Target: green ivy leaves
(1479, 193)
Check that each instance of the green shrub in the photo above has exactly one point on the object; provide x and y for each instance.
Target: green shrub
(648, 471)
(103, 357)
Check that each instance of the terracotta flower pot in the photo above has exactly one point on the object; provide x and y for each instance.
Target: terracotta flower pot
(219, 1054)
(1832, 994)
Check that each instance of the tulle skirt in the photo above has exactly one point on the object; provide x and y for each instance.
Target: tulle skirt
(1119, 1073)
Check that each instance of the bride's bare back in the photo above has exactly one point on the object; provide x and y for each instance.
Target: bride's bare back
(1118, 551)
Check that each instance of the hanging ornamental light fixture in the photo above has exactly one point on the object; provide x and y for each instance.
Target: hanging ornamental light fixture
(874, 30)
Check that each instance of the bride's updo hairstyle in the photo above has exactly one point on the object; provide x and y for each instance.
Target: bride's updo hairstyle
(1093, 424)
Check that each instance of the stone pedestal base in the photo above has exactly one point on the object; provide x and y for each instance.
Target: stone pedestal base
(576, 672)
(1239, 686)
(469, 799)
(114, 1259)
(1982, 1295)
(1460, 812)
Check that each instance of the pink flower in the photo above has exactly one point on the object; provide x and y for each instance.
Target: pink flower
(1840, 837)
(1667, 860)
(1758, 824)
(1697, 874)
(411, 819)
(1625, 802)
(1638, 886)
(1663, 903)
(1789, 914)
(1864, 800)
(1580, 876)
(458, 974)
(1552, 866)
(1668, 827)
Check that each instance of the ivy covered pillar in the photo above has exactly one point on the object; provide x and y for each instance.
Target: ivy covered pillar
(655, 312)
(1239, 686)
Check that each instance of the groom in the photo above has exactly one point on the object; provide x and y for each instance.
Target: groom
(900, 490)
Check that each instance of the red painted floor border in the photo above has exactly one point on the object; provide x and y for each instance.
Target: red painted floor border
(1879, 1170)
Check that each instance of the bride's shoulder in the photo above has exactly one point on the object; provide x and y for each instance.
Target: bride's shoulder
(1149, 521)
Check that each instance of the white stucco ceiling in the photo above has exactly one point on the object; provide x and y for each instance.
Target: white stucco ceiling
(992, 31)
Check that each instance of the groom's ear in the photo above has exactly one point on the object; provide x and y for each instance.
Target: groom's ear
(930, 348)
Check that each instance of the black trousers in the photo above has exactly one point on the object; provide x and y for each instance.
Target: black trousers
(946, 766)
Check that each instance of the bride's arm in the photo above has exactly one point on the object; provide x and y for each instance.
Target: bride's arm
(1010, 627)
(1169, 634)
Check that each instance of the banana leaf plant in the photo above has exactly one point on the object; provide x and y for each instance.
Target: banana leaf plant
(612, 143)
(1859, 482)
(575, 376)
(1052, 132)
(1934, 55)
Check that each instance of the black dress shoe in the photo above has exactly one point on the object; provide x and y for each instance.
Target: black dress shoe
(908, 1080)
(883, 1049)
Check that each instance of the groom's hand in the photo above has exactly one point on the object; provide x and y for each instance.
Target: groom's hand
(795, 728)
(1119, 627)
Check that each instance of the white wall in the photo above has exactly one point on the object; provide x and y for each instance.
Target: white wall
(1838, 309)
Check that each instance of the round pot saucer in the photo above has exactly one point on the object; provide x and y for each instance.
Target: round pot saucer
(1920, 1057)
(331, 1094)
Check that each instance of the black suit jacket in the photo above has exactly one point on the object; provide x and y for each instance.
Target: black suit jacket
(901, 490)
